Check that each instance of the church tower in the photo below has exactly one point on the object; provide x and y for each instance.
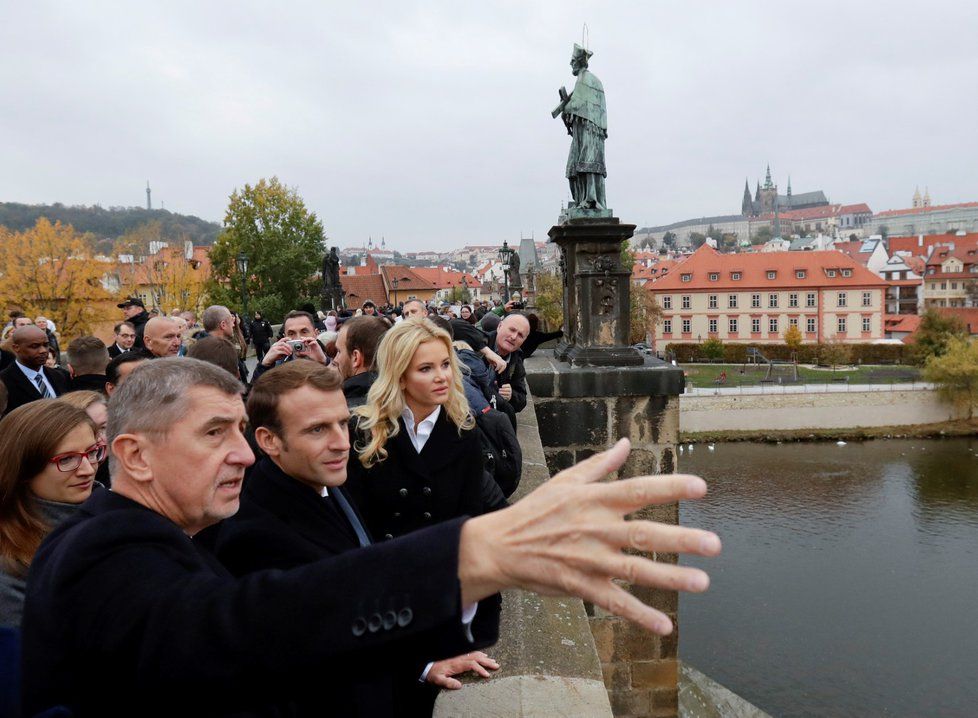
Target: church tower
(917, 201)
(789, 191)
(768, 194)
(926, 197)
(746, 205)
(149, 201)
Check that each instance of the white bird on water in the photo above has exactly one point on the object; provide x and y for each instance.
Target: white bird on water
(680, 448)
(840, 443)
(711, 447)
(690, 447)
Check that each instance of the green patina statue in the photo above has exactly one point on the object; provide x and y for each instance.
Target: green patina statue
(585, 116)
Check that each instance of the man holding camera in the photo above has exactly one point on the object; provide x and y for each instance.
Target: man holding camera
(506, 342)
(298, 342)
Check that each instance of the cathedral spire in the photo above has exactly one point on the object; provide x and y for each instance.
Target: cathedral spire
(768, 184)
(746, 205)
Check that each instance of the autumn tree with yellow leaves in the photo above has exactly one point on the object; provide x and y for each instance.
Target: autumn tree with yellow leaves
(157, 266)
(50, 269)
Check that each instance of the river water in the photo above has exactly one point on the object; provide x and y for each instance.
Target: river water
(848, 584)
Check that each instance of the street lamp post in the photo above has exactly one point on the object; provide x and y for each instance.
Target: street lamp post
(243, 271)
(504, 258)
(394, 283)
(465, 289)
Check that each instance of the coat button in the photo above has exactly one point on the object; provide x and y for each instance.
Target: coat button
(404, 617)
(427, 516)
(359, 627)
(388, 537)
(390, 620)
(376, 621)
(403, 492)
(426, 491)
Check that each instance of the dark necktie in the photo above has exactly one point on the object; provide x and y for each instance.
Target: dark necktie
(41, 386)
(339, 502)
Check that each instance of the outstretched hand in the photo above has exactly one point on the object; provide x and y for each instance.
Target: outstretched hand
(566, 538)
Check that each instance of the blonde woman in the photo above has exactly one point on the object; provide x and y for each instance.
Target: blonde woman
(418, 458)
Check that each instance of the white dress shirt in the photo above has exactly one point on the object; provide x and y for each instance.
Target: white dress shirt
(32, 373)
(420, 436)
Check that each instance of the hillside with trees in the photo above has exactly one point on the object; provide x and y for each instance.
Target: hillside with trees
(108, 223)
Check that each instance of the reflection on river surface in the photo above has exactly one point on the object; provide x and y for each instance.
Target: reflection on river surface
(848, 584)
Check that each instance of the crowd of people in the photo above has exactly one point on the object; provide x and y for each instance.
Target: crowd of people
(326, 534)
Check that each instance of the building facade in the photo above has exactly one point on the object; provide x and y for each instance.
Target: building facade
(755, 298)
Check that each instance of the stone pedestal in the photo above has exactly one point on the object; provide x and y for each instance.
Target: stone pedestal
(596, 292)
(581, 410)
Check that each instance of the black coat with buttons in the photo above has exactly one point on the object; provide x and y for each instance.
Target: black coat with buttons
(409, 491)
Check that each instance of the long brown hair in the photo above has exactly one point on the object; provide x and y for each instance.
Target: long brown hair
(29, 437)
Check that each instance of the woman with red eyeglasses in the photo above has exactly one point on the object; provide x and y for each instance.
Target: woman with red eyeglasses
(49, 454)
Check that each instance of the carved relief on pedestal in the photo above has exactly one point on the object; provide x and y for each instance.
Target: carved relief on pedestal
(606, 296)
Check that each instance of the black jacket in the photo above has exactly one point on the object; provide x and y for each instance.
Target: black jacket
(356, 387)
(284, 524)
(120, 590)
(139, 321)
(261, 331)
(21, 390)
(408, 491)
(87, 382)
(115, 351)
(515, 376)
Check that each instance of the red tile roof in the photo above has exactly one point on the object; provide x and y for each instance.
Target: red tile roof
(901, 322)
(923, 210)
(754, 268)
(407, 278)
(441, 278)
(967, 315)
(361, 287)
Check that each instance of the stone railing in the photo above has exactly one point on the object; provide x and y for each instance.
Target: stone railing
(549, 665)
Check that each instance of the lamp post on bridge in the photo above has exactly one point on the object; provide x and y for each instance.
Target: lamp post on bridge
(394, 283)
(505, 255)
(242, 262)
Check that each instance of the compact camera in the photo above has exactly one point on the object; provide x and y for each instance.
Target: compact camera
(296, 345)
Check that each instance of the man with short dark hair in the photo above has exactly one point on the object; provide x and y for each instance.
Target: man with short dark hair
(134, 312)
(356, 346)
(121, 582)
(125, 338)
(87, 359)
(27, 379)
(298, 328)
(295, 510)
(119, 369)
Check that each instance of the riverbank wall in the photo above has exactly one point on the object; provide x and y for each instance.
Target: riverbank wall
(817, 412)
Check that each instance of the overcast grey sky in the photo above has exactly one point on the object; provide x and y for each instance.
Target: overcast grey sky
(429, 122)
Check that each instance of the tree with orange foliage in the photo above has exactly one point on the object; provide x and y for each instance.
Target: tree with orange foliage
(49, 269)
(159, 267)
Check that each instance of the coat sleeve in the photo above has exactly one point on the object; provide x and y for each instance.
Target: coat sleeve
(152, 600)
(518, 382)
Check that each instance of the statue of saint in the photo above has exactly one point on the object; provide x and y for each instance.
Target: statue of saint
(514, 270)
(585, 116)
(331, 270)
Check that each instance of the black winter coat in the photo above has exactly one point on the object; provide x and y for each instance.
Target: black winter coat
(408, 491)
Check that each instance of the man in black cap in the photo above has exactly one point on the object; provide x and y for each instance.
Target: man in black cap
(136, 314)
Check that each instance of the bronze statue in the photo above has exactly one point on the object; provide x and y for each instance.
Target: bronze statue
(585, 116)
(332, 291)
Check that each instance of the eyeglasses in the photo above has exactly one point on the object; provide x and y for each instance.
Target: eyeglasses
(71, 460)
